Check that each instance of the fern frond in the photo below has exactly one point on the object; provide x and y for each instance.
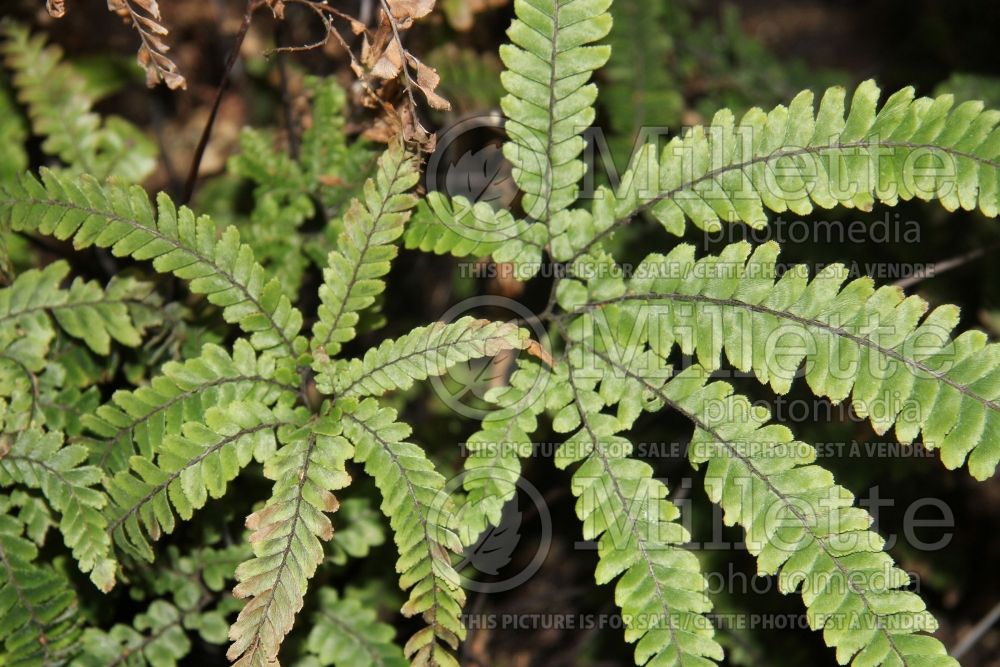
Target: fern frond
(123, 219)
(460, 228)
(13, 134)
(136, 422)
(155, 638)
(798, 523)
(41, 461)
(191, 466)
(360, 528)
(493, 463)
(83, 310)
(33, 512)
(549, 100)
(639, 90)
(38, 607)
(795, 157)
(59, 102)
(346, 633)
(803, 527)
(425, 351)
(366, 248)
(287, 539)
(423, 526)
(144, 15)
(661, 591)
(897, 362)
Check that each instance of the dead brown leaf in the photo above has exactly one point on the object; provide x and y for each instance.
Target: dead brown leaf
(410, 10)
(428, 81)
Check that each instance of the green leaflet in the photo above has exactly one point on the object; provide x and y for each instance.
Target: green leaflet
(425, 351)
(661, 591)
(366, 248)
(136, 422)
(359, 529)
(423, 524)
(288, 538)
(122, 218)
(346, 633)
(59, 102)
(493, 464)
(83, 310)
(191, 466)
(41, 461)
(12, 137)
(894, 359)
(288, 192)
(37, 603)
(795, 157)
(549, 101)
(460, 228)
(159, 636)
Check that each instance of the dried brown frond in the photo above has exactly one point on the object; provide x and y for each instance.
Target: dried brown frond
(144, 15)
(384, 67)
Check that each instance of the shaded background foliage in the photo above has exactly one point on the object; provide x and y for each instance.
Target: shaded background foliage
(673, 65)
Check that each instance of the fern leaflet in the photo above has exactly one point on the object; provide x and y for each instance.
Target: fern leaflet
(41, 461)
(123, 219)
(353, 278)
(425, 351)
(191, 466)
(288, 538)
(136, 422)
(423, 526)
(37, 603)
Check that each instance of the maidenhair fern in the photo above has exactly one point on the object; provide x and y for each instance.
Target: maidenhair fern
(278, 399)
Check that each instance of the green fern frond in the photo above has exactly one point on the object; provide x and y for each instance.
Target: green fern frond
(803, 527)
(366, 248)
(156, 638)
(360, 529)
(83, 310)
(191, 466)
(13, 134)
(494, 452)
(42, 461)
(59, 102)
(549, 100)
(798, 523)
(287, 539)
(136, 422)
(661, 591)
(160, 635)
(460, 228)
(639, 90)
(33, 512)
(38, 607)
(897, 362)
(123, 219)
(423, 525)
(795, 157)
(425, 351)
(347, 633)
